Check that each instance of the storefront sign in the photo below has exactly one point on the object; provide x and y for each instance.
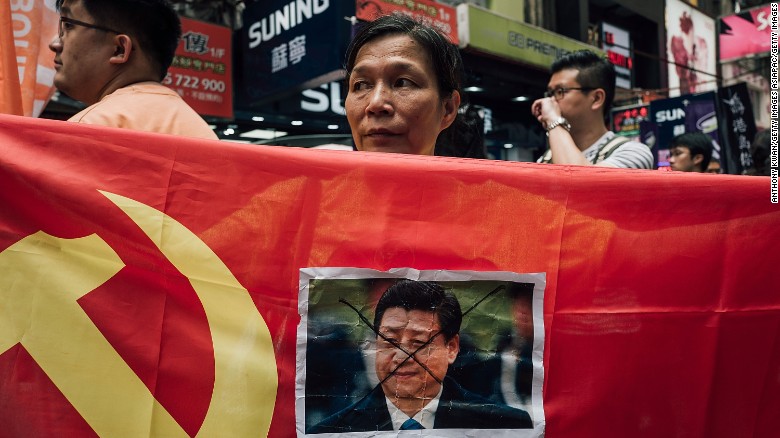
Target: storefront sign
(441, 16)
(201, 71)
(291, 46)
(327, 99)
(746, 33)
(488, 32)
(749, 71)
(678, 115)
(617, 43)
(626, 120)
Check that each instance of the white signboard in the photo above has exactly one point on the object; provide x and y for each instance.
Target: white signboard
(690, 49)
(617, 45)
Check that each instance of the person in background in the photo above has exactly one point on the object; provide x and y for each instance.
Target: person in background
(760, 152)
(404, 82)
(465, 138)
(714, 166)
(113, 55)
(690, 152)
(573, 112)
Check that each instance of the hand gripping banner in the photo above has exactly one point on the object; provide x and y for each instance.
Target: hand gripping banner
(153, 285)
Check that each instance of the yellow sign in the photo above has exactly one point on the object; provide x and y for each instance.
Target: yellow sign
(491, 33)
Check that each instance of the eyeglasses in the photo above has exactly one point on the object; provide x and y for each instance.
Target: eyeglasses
(72, 22)
(560, 93)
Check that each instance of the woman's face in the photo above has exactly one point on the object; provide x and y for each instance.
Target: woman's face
(393, 103)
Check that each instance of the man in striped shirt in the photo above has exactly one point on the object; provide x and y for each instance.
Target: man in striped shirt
(578, 97)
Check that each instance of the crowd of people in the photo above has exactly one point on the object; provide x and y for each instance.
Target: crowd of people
(404, 82)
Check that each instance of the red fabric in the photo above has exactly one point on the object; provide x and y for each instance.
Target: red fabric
(10, 91)
(662, 316)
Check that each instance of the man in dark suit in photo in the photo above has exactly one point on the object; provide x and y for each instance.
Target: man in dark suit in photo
(418, 325)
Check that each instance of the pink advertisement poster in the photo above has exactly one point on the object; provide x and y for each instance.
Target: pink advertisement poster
(745, 33)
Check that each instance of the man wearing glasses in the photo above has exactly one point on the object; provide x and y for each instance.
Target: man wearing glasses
(573, 111)
(112, 55)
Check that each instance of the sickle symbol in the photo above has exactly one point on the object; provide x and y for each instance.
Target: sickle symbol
(41, 279)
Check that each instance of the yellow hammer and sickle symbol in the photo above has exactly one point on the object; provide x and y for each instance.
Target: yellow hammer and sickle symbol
(42, 276)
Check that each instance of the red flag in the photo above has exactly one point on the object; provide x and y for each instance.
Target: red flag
(10, 93)
(151, 282)
(34, 26)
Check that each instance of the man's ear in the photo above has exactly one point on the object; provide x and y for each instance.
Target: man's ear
(697, 159)
(453, 348)
(123, 46)
(599, 97)
(451, 106)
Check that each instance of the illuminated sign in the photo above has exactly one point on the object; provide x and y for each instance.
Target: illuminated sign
(201, 71)
(617, 45)
(287, 47)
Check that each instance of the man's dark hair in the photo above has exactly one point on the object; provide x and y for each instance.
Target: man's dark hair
(760, 150)
(447, 66)
(153, 25)
(465, 138)
(595, 71)
(697, 143)
(422, 295)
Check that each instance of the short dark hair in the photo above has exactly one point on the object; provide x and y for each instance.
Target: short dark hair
(447, 65)
(697, 143)
(444, 56)
(595, 71)
(760, 151)
(422, 295)
(153, 23)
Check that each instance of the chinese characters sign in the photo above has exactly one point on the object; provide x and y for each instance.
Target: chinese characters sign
(626, 120)
(166, 302)
(201, 69)
(740, 126)
(441, 16)
(290, 53)
(291, 46)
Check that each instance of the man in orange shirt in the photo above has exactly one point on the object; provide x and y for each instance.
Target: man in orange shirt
(112, 55)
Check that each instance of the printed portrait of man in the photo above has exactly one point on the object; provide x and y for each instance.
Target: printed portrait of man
(417, 326)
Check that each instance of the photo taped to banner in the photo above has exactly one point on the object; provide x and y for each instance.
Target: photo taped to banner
(456, 351)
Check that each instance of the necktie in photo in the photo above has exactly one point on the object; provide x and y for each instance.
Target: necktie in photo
(411, 424)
